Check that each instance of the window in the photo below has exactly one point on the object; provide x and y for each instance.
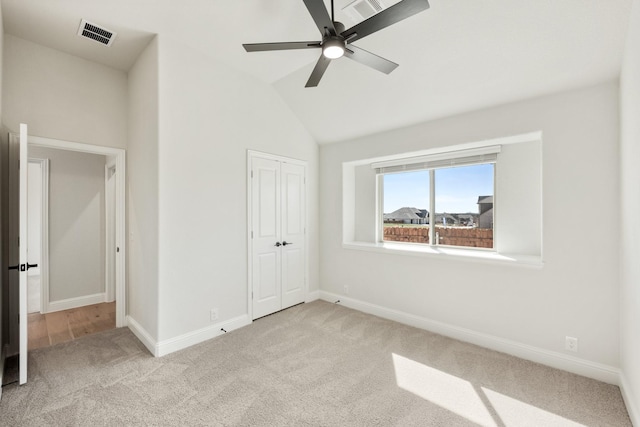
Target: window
(445, 199)
(515, 194)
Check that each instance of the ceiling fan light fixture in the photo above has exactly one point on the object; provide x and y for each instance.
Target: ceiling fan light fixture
(333, 48)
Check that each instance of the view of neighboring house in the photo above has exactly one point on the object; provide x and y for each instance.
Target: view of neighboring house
(485, 207)
(468, 219)
(447, 219)
(408, 216)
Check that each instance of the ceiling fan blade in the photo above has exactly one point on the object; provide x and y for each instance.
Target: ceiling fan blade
(320, 16)
(389, 16)
(369, 59)
(318, 71)
(261, 47)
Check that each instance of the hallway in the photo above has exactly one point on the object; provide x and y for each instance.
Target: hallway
(61, 326)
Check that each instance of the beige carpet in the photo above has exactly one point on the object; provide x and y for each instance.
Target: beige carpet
(316, 364)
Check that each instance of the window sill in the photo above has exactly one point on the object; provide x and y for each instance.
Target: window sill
(447, 253)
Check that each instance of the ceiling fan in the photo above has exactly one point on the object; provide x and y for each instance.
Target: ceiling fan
(336, 41)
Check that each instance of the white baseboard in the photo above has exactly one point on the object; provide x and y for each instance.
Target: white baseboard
(162, 348)
(630, 401)
(598, 371)
(66, 304)
(191, 338)
(312, 296)
(142, 334)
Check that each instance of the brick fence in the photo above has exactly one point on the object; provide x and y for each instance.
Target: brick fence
(454, 236)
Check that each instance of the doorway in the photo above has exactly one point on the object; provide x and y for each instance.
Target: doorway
(113, 203)
(17, 298)
(277, 233)
(71, 195)
(115, 161)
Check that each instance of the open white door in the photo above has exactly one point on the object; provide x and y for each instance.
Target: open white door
(23, 262)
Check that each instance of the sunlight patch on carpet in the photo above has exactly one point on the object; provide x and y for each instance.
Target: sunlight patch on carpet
(477, 404)
(445, 390)
(515, 412)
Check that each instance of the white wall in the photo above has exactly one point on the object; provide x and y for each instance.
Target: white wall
(630, 224)
(34, 216)
(76, 223)
(142, 188)
(518, 207)
(365, 203)
(61, 96)
(210, 115)
(575, 293)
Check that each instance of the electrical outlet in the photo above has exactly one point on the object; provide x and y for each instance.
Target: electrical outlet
(571, 344)
(346, 290)
(214, 314)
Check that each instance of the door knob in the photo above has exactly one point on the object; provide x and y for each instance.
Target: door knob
(285, 243)
(277, 244)
(22, 267)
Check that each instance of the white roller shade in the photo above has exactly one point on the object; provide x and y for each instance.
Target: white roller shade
(472, 156)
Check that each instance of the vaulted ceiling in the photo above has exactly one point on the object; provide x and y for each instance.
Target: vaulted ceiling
(458, 56)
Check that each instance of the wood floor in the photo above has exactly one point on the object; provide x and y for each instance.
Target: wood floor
(61, 326)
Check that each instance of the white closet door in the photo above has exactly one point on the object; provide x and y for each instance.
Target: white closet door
(266, 253)
(293, 234)
(278, 244)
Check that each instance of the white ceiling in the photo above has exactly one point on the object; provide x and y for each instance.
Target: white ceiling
(458, 56)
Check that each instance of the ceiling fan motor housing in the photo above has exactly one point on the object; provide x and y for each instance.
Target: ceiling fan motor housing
(339, 26)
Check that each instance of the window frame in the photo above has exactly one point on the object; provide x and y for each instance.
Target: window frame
(516, 165)
(461, 158)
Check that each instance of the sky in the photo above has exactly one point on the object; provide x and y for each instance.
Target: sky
(457, 189)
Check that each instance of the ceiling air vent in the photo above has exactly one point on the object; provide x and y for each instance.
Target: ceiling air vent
(96, 33)
(360, 10)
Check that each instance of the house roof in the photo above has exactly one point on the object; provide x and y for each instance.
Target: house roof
(455, 57)
(466, 216)
(485, 199)
(406, 214)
